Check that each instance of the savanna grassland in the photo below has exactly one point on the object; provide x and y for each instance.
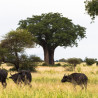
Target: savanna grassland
(46, 83)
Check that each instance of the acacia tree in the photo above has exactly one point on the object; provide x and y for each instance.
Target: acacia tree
(91, 6)
(74, 61)
(52, 30)
(14, 43)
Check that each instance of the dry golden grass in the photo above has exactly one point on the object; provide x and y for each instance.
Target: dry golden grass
(46, 83)
(46, 68)
(6, 66)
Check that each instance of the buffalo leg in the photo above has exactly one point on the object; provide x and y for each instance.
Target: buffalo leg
(4, 84)
(74, 85)
(85, 85)
(82, 87)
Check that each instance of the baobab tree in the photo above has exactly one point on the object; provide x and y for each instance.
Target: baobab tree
(52, 30)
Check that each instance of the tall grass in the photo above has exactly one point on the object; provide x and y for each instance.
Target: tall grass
(46, 83)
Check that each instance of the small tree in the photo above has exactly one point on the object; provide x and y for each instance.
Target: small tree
(62, 60)
(91, 6)
(90, 61)
(15, 42)
(74, 61)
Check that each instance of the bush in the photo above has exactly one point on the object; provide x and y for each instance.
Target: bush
(35, 58)
(13, 69)
(44, 64)
(74, 61)
(97, 63)
(25, 67)
(62, 60)
(90, 61)
(26, 63)
(56, 64)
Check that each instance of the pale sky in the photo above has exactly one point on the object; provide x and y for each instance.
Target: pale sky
(12, 11)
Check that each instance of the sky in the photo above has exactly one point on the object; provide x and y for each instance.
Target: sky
(12, 11)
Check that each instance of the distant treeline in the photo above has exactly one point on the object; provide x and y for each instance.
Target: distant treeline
(88, 61)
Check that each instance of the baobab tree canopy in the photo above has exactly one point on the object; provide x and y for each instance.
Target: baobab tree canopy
(91, 6)
(52, 30)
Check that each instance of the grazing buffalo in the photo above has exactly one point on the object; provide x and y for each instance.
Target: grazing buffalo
(76, 79)
(22, 76)
(3, 77)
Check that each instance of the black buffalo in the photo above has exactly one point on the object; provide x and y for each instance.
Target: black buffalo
(22, 76)
(3, 77)
(76, 79)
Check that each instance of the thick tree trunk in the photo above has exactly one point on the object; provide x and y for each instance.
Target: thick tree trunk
(48, 56)
(51, 57)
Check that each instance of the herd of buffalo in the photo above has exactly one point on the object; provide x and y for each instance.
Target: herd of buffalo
(24, 76)
(21, 76)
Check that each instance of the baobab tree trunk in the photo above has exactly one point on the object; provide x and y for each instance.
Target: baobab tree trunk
(51, 57)
(48, 56)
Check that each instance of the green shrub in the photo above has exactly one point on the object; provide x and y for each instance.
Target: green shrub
(57, 64)
(90, 61)
(97, 63)
(12, 69)
(44, 64)
(26, 63)
(35, 58)
(74, 61)
(62, 60)
(25, 67)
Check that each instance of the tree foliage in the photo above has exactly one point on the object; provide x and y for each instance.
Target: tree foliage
(35, 58)
(90, 61)
(74, 61)
(14, 44)
(91, 6)
(28, 62)
(52, 30)
(62, 60)
(17, 40)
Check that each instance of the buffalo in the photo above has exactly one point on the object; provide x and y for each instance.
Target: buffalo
(76, 79)
(22, 76)
(3, 77)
